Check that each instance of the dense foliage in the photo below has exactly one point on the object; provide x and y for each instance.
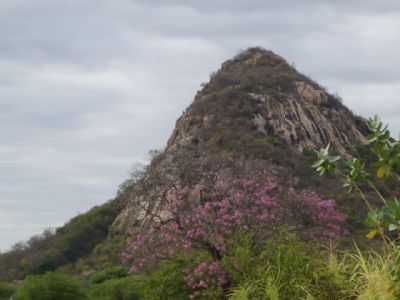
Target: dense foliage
(281, 269)
(51, 286)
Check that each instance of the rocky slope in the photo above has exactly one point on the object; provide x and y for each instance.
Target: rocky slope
(256, 113)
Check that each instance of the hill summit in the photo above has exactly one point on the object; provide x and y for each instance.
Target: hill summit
(278, 101)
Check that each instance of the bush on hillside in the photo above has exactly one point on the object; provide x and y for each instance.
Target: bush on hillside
(115, 289)
(51, 286)
(282, 269)
(165, 283)
(109, 273)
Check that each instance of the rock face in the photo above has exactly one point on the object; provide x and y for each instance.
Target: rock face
(256, 112)
(286, 104)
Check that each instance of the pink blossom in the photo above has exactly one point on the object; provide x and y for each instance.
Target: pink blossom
(198, 223)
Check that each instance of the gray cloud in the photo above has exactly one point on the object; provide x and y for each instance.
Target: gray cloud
(87, 87)
(386, 6)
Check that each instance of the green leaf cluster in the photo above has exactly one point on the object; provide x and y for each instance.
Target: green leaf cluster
(357, 176)
(326, 163)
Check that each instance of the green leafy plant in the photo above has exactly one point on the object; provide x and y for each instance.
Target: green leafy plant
(326, 163)
(385, 218)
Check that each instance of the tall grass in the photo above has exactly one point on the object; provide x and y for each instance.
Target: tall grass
(374, 275)
(352, 275)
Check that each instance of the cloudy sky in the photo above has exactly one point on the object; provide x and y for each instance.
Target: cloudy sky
(87, 87)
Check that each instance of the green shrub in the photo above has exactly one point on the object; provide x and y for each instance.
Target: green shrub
(370, 173)
(286, 269)
(107, 274)
(51, 286)
(6, 291)
(283, 270)
(167, 283)
(116, 289)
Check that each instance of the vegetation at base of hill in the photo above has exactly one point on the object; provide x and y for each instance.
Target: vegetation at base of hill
(66, 245)
(283, 269)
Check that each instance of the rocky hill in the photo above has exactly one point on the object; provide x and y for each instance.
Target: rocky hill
(256, 114)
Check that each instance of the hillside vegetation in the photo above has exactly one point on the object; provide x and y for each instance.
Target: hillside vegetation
(66, 245)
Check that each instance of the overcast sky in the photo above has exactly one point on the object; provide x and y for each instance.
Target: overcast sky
(87, 87)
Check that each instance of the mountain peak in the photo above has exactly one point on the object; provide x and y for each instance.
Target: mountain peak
(257, 55)
(258, 91)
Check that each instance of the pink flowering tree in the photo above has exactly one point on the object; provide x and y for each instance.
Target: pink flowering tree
(204, 218)
(200, 218)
